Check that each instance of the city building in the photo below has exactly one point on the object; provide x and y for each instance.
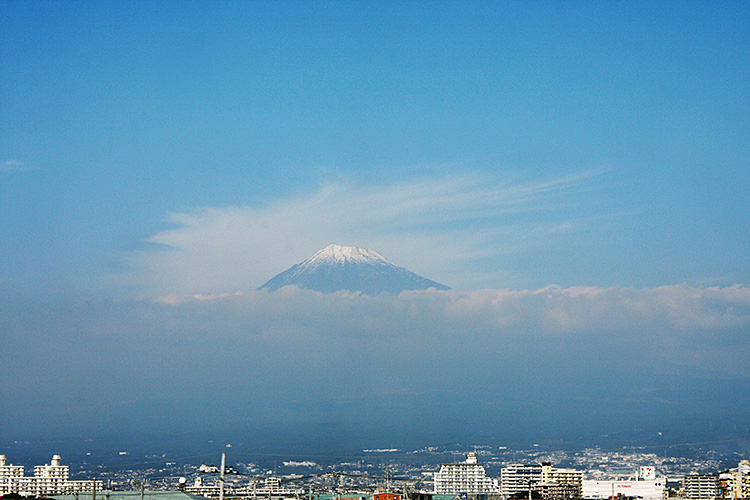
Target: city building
(386, 496)
(700, 486)
(9, 475)
(561, 483)
(272, 488)
(735, 483)
(647, 489)
(50, 479)
(515, 478)
(549, 481)
(743, 478)
(204, 490)
(558, 491)
(464, 477)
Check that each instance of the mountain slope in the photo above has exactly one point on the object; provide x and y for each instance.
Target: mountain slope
(350, 268)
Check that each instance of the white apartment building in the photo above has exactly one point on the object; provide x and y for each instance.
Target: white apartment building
(519, 477)
(700, 486)
(464, 477)
(50, 479)
(9, 474)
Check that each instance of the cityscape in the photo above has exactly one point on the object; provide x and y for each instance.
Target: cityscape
(440, 473)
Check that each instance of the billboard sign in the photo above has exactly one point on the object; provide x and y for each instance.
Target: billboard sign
(648, 473)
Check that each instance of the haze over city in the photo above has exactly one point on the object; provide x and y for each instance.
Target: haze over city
(576, 173)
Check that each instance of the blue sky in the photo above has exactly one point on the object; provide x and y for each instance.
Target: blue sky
(114, 116)
(575, 150)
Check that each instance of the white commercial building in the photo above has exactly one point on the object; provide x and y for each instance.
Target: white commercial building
(647, 489)
(464, 477)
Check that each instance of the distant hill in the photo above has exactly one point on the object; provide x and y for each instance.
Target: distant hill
(350, 268)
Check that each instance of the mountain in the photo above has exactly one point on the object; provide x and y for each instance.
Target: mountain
(350, 268)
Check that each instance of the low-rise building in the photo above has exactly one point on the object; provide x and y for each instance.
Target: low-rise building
(647, 489)
(386, 496)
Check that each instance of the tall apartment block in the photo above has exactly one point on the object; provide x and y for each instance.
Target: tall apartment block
(464, 477)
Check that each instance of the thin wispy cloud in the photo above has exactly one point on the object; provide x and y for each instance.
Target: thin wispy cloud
(8, 166)
(431, 226)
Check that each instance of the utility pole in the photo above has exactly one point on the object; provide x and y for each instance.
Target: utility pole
(221, 476)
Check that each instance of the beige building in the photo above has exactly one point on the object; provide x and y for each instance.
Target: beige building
(571, 477)
(551, 481)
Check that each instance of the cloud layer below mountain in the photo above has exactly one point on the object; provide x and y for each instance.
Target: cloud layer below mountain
(553, 361)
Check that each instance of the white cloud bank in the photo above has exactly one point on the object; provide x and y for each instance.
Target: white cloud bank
(432, 227)
(556, 360)
(704, 328)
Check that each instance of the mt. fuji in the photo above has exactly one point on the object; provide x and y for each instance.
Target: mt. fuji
(350, 268)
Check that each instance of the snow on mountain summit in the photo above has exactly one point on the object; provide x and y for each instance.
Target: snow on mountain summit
(338, 253)
(356, 269)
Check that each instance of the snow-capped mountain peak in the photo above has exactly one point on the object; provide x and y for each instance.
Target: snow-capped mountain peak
(356, 269)
(340, 254)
